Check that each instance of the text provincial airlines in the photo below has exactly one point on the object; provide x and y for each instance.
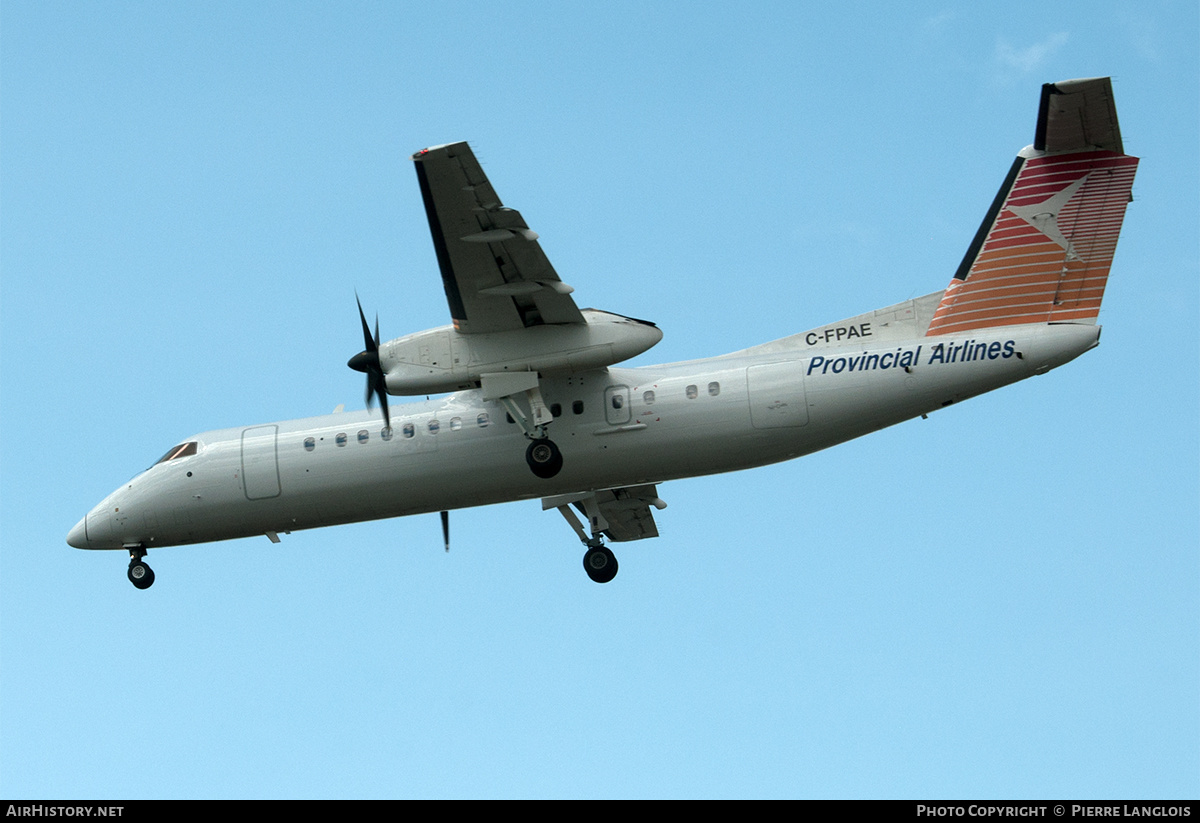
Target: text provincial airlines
(903, 358)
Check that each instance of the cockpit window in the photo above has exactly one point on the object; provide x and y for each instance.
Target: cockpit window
(182, 450)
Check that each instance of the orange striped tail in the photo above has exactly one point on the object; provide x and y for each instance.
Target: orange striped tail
(1043, 252)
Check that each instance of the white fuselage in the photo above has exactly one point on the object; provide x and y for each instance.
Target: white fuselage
(616, 427)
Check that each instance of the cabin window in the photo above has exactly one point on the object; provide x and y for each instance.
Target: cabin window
(577, 407)
(182, 450)
(340, 439)
(385, 433)
(648, 398)
(618, 401)
(714, 388)
(364, 436)
(483, 420)
(556, 409)
(691, 392)
(310, 443)
(434, 426)
(455, 423)
(409, 430)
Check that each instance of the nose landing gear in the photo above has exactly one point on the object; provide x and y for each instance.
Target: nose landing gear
(140, 574)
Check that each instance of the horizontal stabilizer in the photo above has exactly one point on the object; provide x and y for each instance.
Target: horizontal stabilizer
(1078, 115)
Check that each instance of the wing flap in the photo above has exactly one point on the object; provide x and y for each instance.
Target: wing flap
(622, 514)
(627, 511)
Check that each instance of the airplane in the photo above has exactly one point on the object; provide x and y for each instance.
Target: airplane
(529, 401)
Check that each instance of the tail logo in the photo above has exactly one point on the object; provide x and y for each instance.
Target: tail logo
(1046, 250)
(1043, 216)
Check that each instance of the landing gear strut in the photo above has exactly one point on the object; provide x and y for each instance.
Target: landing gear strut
(140, 575)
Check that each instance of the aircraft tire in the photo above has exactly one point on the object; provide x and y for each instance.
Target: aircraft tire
(544, 458)
(141, 575)
(600, 564)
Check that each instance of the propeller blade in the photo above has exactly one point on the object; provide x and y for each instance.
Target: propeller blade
(367, 361)
(381, 390)
(367, 341)
(446, 529)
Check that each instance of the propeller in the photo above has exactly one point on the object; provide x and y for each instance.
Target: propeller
(367, 362)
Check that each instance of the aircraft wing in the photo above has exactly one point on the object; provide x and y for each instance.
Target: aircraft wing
(496, 276)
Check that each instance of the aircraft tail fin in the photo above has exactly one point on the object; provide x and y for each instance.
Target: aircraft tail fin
(1043, 251)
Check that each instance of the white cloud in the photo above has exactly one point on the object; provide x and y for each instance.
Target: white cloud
(939, 23)
(1029, 58)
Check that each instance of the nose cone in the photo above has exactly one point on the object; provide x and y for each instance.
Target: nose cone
(77, 537)
(96, 530)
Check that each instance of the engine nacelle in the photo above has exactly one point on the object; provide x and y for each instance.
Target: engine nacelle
(442, 359)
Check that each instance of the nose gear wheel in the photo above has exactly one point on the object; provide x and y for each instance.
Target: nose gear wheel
(140, 574)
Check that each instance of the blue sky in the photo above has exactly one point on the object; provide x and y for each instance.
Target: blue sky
(1000, 601)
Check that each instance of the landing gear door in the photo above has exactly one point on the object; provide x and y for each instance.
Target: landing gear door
(260, 462)
(616, 405)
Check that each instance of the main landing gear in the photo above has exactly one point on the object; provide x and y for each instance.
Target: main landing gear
(140, 574)
(598, 560)
(542, 454)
